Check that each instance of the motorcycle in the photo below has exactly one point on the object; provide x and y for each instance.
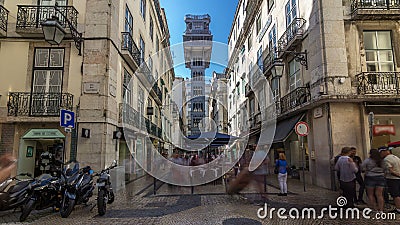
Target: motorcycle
(44, 192)
(13, 195)
(78, 189)
(105, 191)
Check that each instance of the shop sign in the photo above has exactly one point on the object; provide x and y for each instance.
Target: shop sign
(383, 129)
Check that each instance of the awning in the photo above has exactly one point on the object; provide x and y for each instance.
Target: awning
(44, 134)
(285, 127)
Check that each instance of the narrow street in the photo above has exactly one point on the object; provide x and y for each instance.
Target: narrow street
(208, 205)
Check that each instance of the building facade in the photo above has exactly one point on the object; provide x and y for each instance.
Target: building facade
(340, 75)
(197, 44)
(217, 103)
(111, 79)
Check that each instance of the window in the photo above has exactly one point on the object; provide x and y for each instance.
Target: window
(270, 4)
(238, 23)
(294, 75)
(143, 8)
(250, 40)
(128, 21)
(150, 104)
(259, 58)
(258, 24)
(275, 89)
(53, 2)
(151, 28)
(150, 63)
(291, 11)
(141, 101)
(142, 50)
(157, 44)
(244, 6)
(127, 88)
(272, 38)
(48, 72)
(378, 51)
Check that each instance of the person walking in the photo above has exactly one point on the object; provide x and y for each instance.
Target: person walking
(281, 164)
(392, 166)
(347, 169)
(359, 179)
(260, 173)
(374, 180)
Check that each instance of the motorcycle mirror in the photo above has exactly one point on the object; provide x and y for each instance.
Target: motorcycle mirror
(115, 162)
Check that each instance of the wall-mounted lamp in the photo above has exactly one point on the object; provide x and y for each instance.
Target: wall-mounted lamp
(54, 33)
(277, 69)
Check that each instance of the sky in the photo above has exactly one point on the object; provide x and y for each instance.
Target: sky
(221, 12)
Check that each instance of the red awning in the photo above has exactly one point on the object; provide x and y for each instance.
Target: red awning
(394, 144)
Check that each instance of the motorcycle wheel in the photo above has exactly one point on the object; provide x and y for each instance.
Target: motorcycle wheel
(27, 210)
(111, 197)
(66, 207)
(101, 203)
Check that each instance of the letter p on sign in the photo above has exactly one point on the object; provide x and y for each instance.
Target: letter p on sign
(67, 118)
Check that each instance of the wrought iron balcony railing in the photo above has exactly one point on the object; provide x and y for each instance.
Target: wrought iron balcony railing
(378, 83)
(38, 104)
(129, 45)
(375, 4)
(32, 16)
(3, 18)
(255, 121)
(255, 75)
(295, 98)
(129, 115)
(294, 31)
(269, 60)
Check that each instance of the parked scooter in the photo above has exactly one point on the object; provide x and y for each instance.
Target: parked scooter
(13, 195)
(44, 192)
(105, 191)
(78, 189)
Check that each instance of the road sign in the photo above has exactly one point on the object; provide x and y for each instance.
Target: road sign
(67, 118)
(302, 128)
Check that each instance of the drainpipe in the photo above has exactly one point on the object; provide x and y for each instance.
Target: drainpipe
(330, 145)
(325, 73)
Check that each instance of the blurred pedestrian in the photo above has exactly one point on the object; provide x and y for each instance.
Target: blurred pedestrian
(374, 180)
(7, 165)
(282, 166)
(359, 179)
(392, 166)
(260, 173)
(347, 169)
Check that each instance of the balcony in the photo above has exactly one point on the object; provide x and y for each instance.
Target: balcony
(255, 121)
(269, 60)
(130, 51)
(378, 83)
(38, 104)
(255, 76)
(297, 97)
(156, 93)
(3, 21)
(292, 36)
(30, 18)
(375, 9)
(129, 115)
(247, 90)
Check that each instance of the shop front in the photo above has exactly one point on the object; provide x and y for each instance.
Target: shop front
(39, 149)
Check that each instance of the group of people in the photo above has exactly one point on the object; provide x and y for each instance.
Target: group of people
(381, 175)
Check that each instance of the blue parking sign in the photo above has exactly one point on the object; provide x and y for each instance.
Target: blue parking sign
(67, 118)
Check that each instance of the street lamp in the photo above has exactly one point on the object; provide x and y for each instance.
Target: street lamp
(54, 33)
(277, 69)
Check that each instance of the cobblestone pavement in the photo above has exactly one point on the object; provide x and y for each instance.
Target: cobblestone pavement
(209, 204)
